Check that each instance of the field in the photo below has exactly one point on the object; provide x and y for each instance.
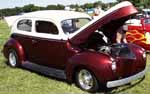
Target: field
(21, 81)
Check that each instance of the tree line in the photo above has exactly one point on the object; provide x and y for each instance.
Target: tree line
(32, 7)
(28, 8)
(139, 3)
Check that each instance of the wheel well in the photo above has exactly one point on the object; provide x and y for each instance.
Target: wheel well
(16, 50)
(76, 69)
(8, 50)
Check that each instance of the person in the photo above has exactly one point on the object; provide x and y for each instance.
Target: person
(121, 35)
(97, 10)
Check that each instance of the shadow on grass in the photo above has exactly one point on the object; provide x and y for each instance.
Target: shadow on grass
(102, 90)
(38, 73)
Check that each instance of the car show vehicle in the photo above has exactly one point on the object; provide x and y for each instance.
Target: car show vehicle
(71, 46)
(138, 32)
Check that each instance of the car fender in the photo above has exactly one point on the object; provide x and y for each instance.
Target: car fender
(97, 63)
(14, 44)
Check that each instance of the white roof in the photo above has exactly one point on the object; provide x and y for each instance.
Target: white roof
(57, 15)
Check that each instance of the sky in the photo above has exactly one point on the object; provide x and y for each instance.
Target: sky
(20, 3)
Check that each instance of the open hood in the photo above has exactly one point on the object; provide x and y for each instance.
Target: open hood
(108, 22)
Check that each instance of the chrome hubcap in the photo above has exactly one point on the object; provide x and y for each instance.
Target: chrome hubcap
(12, 59)
(85, 79)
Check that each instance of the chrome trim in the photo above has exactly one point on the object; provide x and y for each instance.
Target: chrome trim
(85, 79)
(12, 59)
(124, 81)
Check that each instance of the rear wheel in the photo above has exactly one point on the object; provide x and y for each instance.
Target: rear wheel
(86, 80)
(13, 58)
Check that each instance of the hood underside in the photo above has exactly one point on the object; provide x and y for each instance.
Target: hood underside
(109, 22)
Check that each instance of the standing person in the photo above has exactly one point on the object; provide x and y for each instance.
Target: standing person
(97, 10)
(121, 35)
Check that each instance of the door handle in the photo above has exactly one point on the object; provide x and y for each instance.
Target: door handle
(34, 41)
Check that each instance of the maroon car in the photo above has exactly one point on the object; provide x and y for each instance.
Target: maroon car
(70, 45)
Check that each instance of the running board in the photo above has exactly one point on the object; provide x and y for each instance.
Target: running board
(45, 70)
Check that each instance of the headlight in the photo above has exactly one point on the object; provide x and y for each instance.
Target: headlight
(142, 51)
(144, 54)
(113, 64)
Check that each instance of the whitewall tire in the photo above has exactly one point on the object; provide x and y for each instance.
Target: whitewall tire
(13, 58)
(86, 80)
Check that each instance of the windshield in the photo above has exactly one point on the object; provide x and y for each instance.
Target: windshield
(72, 25)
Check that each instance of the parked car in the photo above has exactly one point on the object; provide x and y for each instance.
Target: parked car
(139, 32)
(70, 45)
(146, 12)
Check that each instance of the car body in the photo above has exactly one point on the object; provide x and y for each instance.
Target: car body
(82, 55)
(139, 32)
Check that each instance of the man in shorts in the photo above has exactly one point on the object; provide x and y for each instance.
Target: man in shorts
(121, 35)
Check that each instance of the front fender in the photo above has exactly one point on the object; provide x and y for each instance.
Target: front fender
(96, 62)
(14, 44)
(138, 51)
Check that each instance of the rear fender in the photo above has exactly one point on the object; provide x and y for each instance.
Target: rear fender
(14, 44)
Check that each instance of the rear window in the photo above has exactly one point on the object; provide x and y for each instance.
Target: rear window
(25, 25)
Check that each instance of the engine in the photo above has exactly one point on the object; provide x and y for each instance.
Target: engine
(98, 43)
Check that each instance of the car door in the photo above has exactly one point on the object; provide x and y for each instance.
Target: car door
(48, 47)
(23, 34)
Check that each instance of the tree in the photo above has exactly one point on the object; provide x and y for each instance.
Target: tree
(87, 5)
(55, 7)
(146, 3)
(60, 7)
(30, 8)
(139, 3)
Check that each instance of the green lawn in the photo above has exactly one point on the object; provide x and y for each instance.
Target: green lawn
(20, 81)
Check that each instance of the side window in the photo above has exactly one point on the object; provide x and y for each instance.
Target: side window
(46, 27)
(25, 25)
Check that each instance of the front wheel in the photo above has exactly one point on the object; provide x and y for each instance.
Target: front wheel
(13, 58)
(86, 80)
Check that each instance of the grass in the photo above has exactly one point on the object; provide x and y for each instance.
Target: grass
(21, 81)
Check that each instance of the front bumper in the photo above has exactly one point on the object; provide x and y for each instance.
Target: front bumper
(124, 81)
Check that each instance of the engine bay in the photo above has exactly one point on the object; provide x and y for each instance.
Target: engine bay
(100, 43)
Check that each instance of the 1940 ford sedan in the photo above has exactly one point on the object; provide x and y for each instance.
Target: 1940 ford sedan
(70, 45)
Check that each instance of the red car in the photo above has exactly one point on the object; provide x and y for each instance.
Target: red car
(70, 45)
(139, 32)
